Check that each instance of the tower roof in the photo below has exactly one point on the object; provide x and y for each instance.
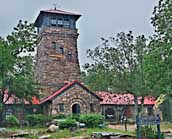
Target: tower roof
(55, 11)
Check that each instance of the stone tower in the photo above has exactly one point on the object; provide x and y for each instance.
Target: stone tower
(57, 55)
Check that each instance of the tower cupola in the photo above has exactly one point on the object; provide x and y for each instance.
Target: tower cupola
(56, 18)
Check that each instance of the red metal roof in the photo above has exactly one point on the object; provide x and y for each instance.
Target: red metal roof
(107, 98)
(55, 93)
(61, 90)
(14, 100)
(11, 100)
(123, 99)
(35, 100)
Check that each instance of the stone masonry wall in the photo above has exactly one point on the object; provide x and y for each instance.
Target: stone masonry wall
(52, 68)
(76, 95)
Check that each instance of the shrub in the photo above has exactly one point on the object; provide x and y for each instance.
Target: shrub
(91, 120)
(74, 116)
(148, 133)
(68, 123)
(12, 121)
(59, 116)
(37, 119)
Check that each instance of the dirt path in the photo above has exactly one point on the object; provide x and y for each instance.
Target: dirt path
(121, 127)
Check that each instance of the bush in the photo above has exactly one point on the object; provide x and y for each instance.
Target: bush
(68, 123)
(74, 116)
(91, 120)
(37, 119)
(12, 121)
(148, 133)
(59, 116)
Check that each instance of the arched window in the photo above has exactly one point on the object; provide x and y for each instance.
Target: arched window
(69, 56)
(61, 50)
(92, 107)
(61, 107)
(54, 45)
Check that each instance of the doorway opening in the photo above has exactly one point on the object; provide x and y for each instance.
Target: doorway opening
(76, 109)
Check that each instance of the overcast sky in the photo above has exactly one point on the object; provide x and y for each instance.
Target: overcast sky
(100, 18)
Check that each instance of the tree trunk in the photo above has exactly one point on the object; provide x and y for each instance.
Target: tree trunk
(2, 105)
(136, 117)
(136, 112)
(1, 113)
(142, 107)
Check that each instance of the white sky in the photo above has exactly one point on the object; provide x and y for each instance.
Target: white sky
(100, 18)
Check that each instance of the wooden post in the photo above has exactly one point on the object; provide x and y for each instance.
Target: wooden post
(138, 127)
(158, 126)
(125, 123)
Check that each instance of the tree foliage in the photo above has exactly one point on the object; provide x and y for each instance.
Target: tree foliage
(16, 68)
(162, 20)
(134, 66)
(159, 66)
(118, 63)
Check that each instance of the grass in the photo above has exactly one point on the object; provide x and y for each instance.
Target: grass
(67, 133)
(166, 126)
(85, 132)
(80, 132)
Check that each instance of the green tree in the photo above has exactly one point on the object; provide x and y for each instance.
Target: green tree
(159, 66)
(16, 65)
(162, 21)
(158, 61)
(121, 59)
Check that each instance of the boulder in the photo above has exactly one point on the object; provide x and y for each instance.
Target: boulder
(52, 128)
(45, 137)
(80, 125)
(3, 130)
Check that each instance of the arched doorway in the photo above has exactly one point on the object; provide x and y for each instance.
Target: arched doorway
(109, 113)
(76, 108)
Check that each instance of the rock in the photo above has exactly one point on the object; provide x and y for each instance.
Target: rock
(80, 125)
(3, 130)
(52, 128)
(20, 134)
(54, 122)
(101, 125)
(45, 137)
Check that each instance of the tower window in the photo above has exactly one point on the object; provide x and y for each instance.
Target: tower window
(61, 50)
(53, 22)
(66, 23)
(60, 22)
(61, 107)
(54, 45)
(69, 56)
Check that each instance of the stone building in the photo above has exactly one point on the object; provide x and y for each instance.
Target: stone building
(74, 97)
(58, 72)
(57, 66)
(114, 105)
(57, 55)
